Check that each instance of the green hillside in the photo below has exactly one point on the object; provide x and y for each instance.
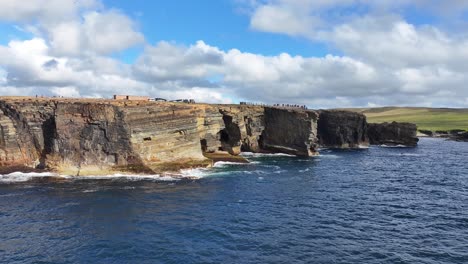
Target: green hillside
(426, 118)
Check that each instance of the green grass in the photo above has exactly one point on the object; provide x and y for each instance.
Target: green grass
(425, 118)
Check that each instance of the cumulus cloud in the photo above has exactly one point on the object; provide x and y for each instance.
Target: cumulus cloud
(45, 10)
(383, 59)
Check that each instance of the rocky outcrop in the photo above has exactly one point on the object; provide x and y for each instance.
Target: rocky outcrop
(243, 128)
(291, 131)
(393, 134)
(459, 136)
(342, 129)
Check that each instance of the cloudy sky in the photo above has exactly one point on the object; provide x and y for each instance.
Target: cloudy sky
(323, 53)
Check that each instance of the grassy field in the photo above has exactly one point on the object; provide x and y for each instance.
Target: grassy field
(426, 118)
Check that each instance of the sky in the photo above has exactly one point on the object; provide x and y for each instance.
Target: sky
(321, 53)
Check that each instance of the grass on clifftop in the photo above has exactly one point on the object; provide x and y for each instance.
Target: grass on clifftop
(433, 119)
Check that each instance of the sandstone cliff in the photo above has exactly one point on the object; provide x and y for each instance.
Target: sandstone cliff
(78, 136)
(100, 136)
(393, 134)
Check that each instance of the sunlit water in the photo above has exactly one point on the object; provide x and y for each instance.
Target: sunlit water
(380, 205)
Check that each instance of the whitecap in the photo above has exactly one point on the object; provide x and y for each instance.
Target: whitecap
(90, 191)
(17, 177)
(251, 154)
(393, 146)
(220, 164)
(127, 177)
(194, 173)
(23, 177)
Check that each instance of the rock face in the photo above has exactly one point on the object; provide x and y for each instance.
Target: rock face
(243, 128)
(76, 136)
(342, 129)
(393, 134)
(291, 131)
(84, 136)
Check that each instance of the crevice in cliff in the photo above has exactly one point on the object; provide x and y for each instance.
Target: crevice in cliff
(49, 135)
(230, 136)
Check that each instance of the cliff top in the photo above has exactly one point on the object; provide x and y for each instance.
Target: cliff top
(128, 103)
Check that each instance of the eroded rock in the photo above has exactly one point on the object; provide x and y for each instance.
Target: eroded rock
(342, 129)
(393, 134)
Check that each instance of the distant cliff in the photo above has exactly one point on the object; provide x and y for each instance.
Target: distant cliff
(79, 137)
(393, 134)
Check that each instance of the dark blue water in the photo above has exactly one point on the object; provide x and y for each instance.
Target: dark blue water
(381, 205)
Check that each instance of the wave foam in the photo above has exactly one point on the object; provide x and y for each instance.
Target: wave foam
(220, 164)
(23, 177)
(393, 146)
(17, 177)
(197, 173)
(251, 154)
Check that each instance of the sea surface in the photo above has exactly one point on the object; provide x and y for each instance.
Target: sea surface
(377, 205)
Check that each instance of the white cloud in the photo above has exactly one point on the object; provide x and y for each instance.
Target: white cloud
(46, 10)
(384, 59)
(110, 31)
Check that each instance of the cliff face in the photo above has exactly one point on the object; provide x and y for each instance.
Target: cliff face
(291, 131)
(243, 128)
(78, 136)
(91, 137)
(393, 134)
(342, 129)
(24, 133)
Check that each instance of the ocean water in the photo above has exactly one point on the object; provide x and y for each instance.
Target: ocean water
(377, 205)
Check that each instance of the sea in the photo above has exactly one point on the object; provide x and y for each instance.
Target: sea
(375, 205)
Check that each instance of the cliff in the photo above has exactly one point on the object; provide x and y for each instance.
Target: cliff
(80, 137)
(342, 129)
(93, 136)
(291, 131)
(393, 134)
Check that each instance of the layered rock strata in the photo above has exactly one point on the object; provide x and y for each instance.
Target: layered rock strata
(84, 136)
(393, 134)
(81, 137)
(342, 129)
(291, 131)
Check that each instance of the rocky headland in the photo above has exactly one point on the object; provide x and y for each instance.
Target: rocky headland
(393, 134)
(97, 136)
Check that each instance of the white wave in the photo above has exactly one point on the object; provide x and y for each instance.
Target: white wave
(127, 177)
(220, 164)
(17, 177)
(306, 170)
(90, 191)
(329, 156)
(393, 146)
(251, 154)
(23, 177)
(194, 173)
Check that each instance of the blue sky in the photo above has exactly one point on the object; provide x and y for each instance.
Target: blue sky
(219, 23)
(337, 53)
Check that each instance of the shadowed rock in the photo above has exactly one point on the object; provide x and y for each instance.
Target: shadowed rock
(393, 134)
(342, 129)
